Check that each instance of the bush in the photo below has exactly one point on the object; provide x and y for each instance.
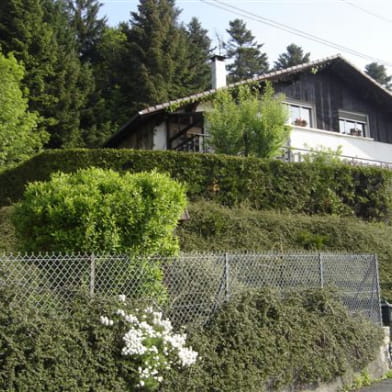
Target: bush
(96, 210)
(78, 351)
(263, 184)
(243, 122)
(265, 341)
(219, 229)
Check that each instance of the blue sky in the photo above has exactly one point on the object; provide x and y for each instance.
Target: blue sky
(339, 21)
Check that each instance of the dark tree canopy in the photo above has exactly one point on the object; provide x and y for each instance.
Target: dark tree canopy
(245, 53)
(379, 73)
(39, 35)
(199, 53)
(88, 27)
(294, 55)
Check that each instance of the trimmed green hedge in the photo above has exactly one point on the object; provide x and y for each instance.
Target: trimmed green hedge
(219, 229)
(264, 184)
(264, 341)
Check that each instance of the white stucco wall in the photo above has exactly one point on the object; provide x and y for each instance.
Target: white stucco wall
(352, 146)
(160, 137)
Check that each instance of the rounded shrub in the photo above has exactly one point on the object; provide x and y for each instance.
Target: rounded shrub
(98, 210)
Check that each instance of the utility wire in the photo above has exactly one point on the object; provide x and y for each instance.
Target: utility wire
(366, 11)
(246, 14)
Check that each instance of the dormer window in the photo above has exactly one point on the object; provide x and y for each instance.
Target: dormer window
(354, 124)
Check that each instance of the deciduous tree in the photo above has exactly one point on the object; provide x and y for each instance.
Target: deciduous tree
(244, 123)
(19, 134)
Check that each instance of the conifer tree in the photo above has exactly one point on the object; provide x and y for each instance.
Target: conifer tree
(245, 53)
(38, 33)
(157, 63)
(379, 73)
(199, 54)
(294, 55)
(88, 27)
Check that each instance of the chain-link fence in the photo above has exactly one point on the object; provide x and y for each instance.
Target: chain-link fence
(190, 287)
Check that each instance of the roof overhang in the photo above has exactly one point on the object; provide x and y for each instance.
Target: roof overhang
(368, 87)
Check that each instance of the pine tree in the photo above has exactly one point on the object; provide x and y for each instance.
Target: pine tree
(88, 27)
(157, 63)
(248, 60)
(107, 107)
(379, 73)
(199, 54)
(294, 56)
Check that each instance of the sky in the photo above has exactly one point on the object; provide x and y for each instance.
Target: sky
(363, 26)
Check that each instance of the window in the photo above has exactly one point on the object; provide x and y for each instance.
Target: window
(354, 124)
(300, 114)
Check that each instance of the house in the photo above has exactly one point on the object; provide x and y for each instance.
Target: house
(331, 103)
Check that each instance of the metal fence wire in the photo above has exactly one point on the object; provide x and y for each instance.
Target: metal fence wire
(192, 286)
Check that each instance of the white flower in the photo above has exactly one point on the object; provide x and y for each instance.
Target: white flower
(106, 321)
(133, 340)
(120, 312)
(187, 356)
(122, 298)
(130, 318)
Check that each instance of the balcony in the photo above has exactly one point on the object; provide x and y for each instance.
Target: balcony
(356, 149)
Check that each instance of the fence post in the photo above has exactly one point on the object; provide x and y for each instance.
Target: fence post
(321, 270)
(92, 275)
(377, 284)
(227, 277)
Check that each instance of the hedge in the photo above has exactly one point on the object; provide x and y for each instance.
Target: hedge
(214, 228)
(265, 341)
(263, 184)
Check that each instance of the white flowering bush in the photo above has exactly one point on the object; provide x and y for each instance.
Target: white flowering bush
(149, 340)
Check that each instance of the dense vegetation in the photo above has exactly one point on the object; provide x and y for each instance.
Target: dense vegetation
(265, 341)
(248, 344)
(215, 228)
(263, 184)
(97, 210)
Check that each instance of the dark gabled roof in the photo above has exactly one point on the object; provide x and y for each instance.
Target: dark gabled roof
(340, 65)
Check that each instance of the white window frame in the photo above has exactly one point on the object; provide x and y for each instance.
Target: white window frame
(356, 117)
(306, 105)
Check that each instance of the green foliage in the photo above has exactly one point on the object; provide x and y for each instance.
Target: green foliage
(7, 231)
(96, 210)
(213, 228)
(158, 65)
(248, 124)
(247, 59)
(265, 341)
(323, 156)
(262, 184)
(379, 73)
(199, 54)
(49, 352)
(294, 56)
(37, 32)
(19, 136)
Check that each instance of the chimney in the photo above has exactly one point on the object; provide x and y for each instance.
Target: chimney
(218, 71)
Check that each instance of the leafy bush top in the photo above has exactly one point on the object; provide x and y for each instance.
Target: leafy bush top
(97, 210)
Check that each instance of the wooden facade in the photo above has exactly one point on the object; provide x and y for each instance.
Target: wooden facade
(336, 93)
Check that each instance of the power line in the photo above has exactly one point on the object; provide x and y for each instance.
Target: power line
(292, 30)
(366, 11)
